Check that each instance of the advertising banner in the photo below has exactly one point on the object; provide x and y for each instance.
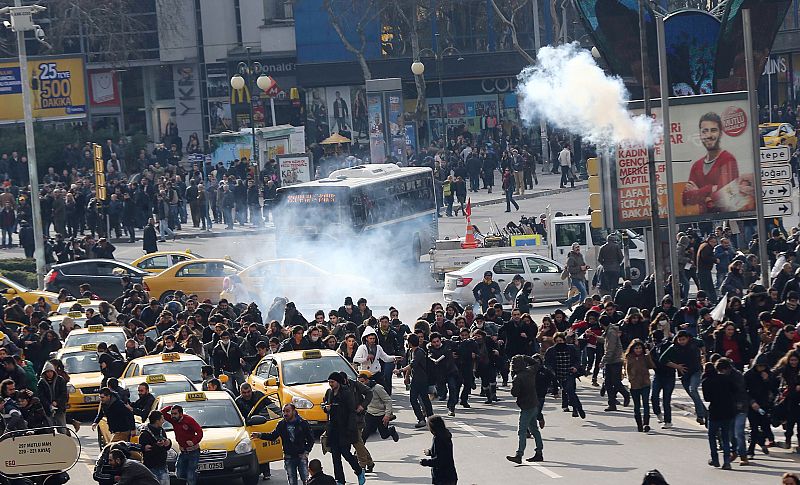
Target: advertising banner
(294, 168)
(395, 124)
(339, 112)
(103, 88)
(712, 163)
(377, 140)
(233, 147)
(58, 89)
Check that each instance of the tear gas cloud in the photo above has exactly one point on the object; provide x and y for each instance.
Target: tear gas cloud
(567, 88)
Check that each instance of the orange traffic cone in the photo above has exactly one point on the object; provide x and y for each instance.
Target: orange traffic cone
(469, 239)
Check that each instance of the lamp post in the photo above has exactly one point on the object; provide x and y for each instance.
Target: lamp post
(21, 22)
(248, 72)
(418, 68)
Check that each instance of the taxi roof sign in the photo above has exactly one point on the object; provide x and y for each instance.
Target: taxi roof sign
(196, 396)
(74, 314)
(156, 379)
(84, 301)
(89, 347)
(312, 354)
(170, 356)
(95, 328)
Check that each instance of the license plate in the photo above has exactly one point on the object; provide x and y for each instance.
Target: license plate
(91, 399)
(213, 465)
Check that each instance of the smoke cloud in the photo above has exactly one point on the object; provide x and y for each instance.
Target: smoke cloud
(569, 90)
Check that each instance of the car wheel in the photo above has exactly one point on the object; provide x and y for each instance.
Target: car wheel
(251, 480)
(638, 272)
(166, 296)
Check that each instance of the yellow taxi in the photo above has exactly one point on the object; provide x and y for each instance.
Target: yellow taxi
(226, 450)
(85, 303)
(11, 289)
(159, 384)
(94, 334)
(775, 134)
(83, 367)
(188, 365)
(300, 377)
(160, 260)
(202, 277)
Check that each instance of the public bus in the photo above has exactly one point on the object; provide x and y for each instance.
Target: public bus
(370, 210)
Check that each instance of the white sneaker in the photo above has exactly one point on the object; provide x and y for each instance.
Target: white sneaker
(660, 417)
(667, 426)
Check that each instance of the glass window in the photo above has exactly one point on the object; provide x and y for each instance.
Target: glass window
(569, 233)
(78, 339)
(188, 368)
(509, 266)
(214, 413)
(541, 266)
(599, 236)
(171, 387)
(132, 370)
(157, 262)
(268, 407)
(308, 371)
(263, 370)
(193, 270)
(81, 363)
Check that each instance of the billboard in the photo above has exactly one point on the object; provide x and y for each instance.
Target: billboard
(294, 168)
(712, 163)
(58, 89)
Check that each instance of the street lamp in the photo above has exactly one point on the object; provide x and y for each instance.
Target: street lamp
(21, 22)
(418, 68)
(250, 70)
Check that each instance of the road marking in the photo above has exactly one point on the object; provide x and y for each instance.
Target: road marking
(549, 473)
(469, 429)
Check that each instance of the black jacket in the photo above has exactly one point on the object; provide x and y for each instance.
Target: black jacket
(443, 467)
(157, 456)
(150, 239)
(56, 390)
(321, 479)
(226, 362)
(143, 406)
(720, 393)
(120, 418)
(293, 445)
(342, 424)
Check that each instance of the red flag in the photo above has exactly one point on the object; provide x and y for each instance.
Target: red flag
(468, 210)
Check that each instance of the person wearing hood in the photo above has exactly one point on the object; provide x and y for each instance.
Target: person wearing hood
(513, 287)
(613, 361)
(687, 318)
(667, 307)
(292, 316)
(349, 313)
(762, 388)
(443, 467)
(523, 387)
(633, 327)
(370, 354)
(121, 423)
(626, 296)
(524, 298)
(638, 363)
(789, 311)
(342, 428)
(32, 410)
(733, 283)
(52, 393)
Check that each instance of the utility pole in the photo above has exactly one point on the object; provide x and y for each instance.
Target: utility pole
(21, 22)
(651, 158)
(537, 44)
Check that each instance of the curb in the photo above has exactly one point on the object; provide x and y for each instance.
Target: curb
(201, 235)
(533, 195)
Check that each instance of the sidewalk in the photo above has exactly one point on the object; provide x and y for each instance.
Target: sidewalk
(189, 232)
(548, 185)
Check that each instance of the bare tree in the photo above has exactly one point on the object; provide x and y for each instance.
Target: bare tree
(507, 16)
(409, 13)
(355, 16)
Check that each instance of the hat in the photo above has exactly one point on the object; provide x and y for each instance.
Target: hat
(365, 373)
(487, 274)
(348, 300)
(633, 311)
(335, 376)
(48, 366)
(704, 311)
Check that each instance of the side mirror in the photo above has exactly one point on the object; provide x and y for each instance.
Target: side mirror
(256, 420)
(11, 291)
(271, 382)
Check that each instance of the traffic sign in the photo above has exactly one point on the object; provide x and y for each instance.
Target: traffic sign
(776, 173)
(778, 191)
(775, 154)
(778, 209)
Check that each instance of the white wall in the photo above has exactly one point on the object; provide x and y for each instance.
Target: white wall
(177, 32)
(219, 28)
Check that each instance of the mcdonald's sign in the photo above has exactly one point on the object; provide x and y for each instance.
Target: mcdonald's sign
(240, 96)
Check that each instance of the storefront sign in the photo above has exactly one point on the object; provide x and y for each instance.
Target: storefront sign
(57, 84)
(103, 88)
(712, 162)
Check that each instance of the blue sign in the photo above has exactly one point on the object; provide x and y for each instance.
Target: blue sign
(10, 80)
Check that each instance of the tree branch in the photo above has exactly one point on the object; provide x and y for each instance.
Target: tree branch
(510, 23)
(359, 53)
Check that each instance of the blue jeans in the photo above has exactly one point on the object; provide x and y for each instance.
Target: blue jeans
(666, 385)
(738, 441)
(723, 428)
(164, 230)
(387, 368)
(691, 384)
(527, 421)
(161, 474)
(684, 279)
(580, 285)
(568, 394)
(295, 465)
(186, 467)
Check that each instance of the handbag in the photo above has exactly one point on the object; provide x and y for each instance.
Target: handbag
(564, 273)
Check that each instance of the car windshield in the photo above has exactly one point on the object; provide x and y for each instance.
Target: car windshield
(307, 371)
(81, 363)
(217, 413)
(76, 340)
(473, 266)
(188, 368)
(769, 131)
(164, 388)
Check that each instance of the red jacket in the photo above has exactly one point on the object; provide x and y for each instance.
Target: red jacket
(186, 429)
(724, 171)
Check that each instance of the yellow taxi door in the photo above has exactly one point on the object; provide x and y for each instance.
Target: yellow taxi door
(269, 407)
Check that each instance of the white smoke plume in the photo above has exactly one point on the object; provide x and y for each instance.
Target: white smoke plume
(569, 90)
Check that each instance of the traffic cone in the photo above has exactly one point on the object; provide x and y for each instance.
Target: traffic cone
(469, 239)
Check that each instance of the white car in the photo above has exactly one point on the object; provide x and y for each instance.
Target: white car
(544, 273)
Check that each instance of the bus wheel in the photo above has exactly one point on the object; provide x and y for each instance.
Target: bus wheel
(416, 250)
